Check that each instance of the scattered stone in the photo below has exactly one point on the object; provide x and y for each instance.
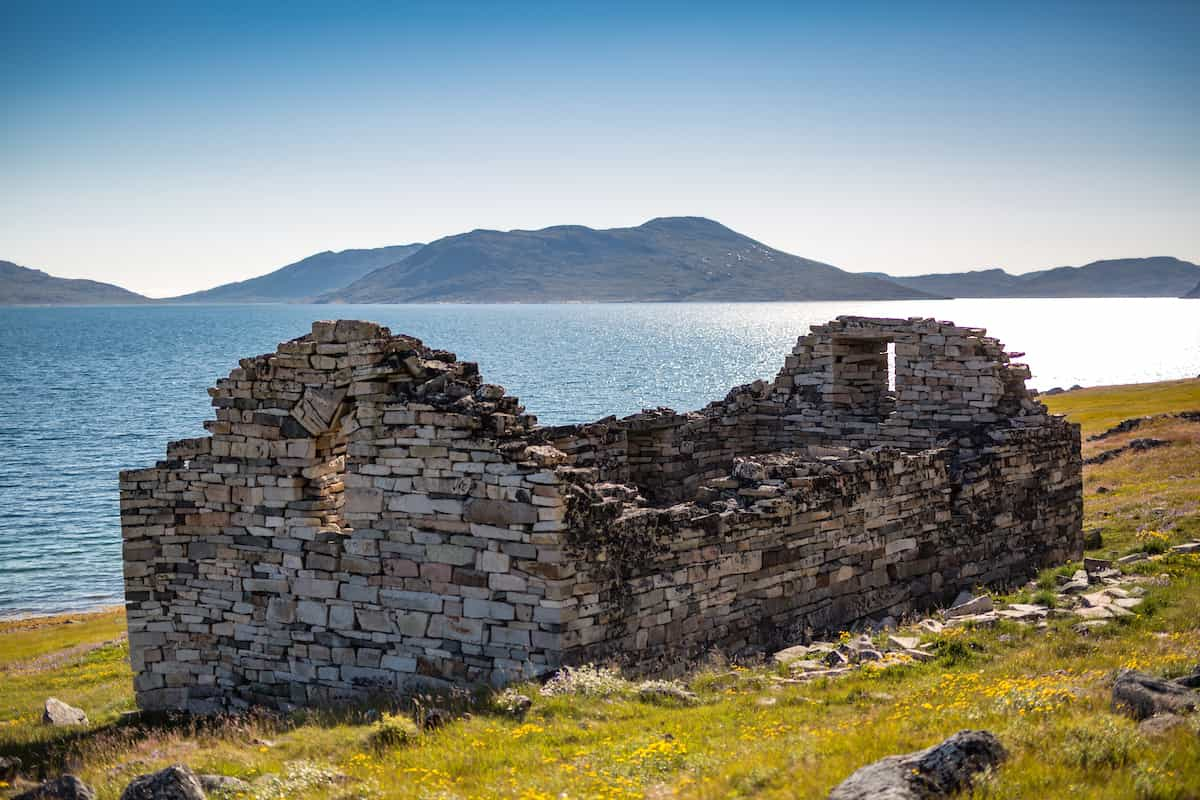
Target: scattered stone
(971, 606)
(223, 784)
(1141, 696)
(791, 654)
(1094, 565)
(176, 782)
(985, 620)
(936, 772)
(1190, 547)
(1093, 539)
(1096, 599)
(835, 658)
(1132, 558)
(515, 704)
(66, 787)
(903, 643)
(931, 625)
(1135, 446)
(1076, 584)
(1160, 724)
(1094, 612)
(867, 654)
(666, 691)
(965, 596)
(434, 718)
(59, 713)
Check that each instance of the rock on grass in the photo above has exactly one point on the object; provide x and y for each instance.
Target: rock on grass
(66, 787)
(934, 772)
(57, 712)
(1141, 696)
(176, 782)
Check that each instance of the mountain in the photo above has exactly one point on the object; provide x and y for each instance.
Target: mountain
(305, 279)
(22, 286)
(1194, 294)
(1160, 276)
(666, 259)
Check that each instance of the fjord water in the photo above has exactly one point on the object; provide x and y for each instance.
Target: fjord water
(87, 391)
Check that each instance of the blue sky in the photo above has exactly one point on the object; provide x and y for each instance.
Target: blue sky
(173, 146)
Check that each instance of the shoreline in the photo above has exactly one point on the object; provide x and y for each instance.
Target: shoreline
(34, 620)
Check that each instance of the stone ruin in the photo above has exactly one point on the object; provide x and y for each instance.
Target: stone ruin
(368, 516)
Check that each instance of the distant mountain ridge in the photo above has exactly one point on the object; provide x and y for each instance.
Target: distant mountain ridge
(668, 259)
(25, 286)
(305, 279)
(665, 259)
(1158, 276)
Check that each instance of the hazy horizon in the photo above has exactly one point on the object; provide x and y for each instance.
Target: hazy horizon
(169, 148)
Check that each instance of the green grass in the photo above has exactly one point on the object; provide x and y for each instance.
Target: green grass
(752, 733)
(1101, 407)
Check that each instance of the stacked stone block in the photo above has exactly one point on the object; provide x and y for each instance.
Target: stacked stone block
(368, 516)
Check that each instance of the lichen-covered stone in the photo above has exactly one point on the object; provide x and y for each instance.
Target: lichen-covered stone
(935, 772)
(65, 787)
(56, 712)
(176, 782)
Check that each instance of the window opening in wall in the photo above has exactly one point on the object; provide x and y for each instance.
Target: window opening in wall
(891, 368)
(864, 376)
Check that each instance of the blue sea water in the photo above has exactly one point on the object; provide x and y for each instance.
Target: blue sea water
(88, 391)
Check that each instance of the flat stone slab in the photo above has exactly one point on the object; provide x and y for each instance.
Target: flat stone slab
(976, 605)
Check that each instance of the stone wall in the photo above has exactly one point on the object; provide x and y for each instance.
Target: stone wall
(367, 515)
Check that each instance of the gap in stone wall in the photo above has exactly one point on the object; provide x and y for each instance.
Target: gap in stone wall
(325, 481)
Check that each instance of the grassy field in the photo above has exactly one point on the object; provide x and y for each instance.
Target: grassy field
(751, 733)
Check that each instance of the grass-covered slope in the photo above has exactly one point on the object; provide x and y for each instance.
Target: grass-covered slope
(753, 730)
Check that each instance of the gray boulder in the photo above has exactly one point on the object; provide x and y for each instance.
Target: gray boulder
(1160, 724)
(974, 605)
(56, 712)
(1141, 696)
(65, 787)
(176, 782)
(934, 772)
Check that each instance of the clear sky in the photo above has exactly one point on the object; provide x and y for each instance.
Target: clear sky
(172, 146)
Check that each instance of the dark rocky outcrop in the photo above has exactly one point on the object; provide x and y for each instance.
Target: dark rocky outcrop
(934, 772)
(1141, 696)
(65, 787)
(176, 782)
